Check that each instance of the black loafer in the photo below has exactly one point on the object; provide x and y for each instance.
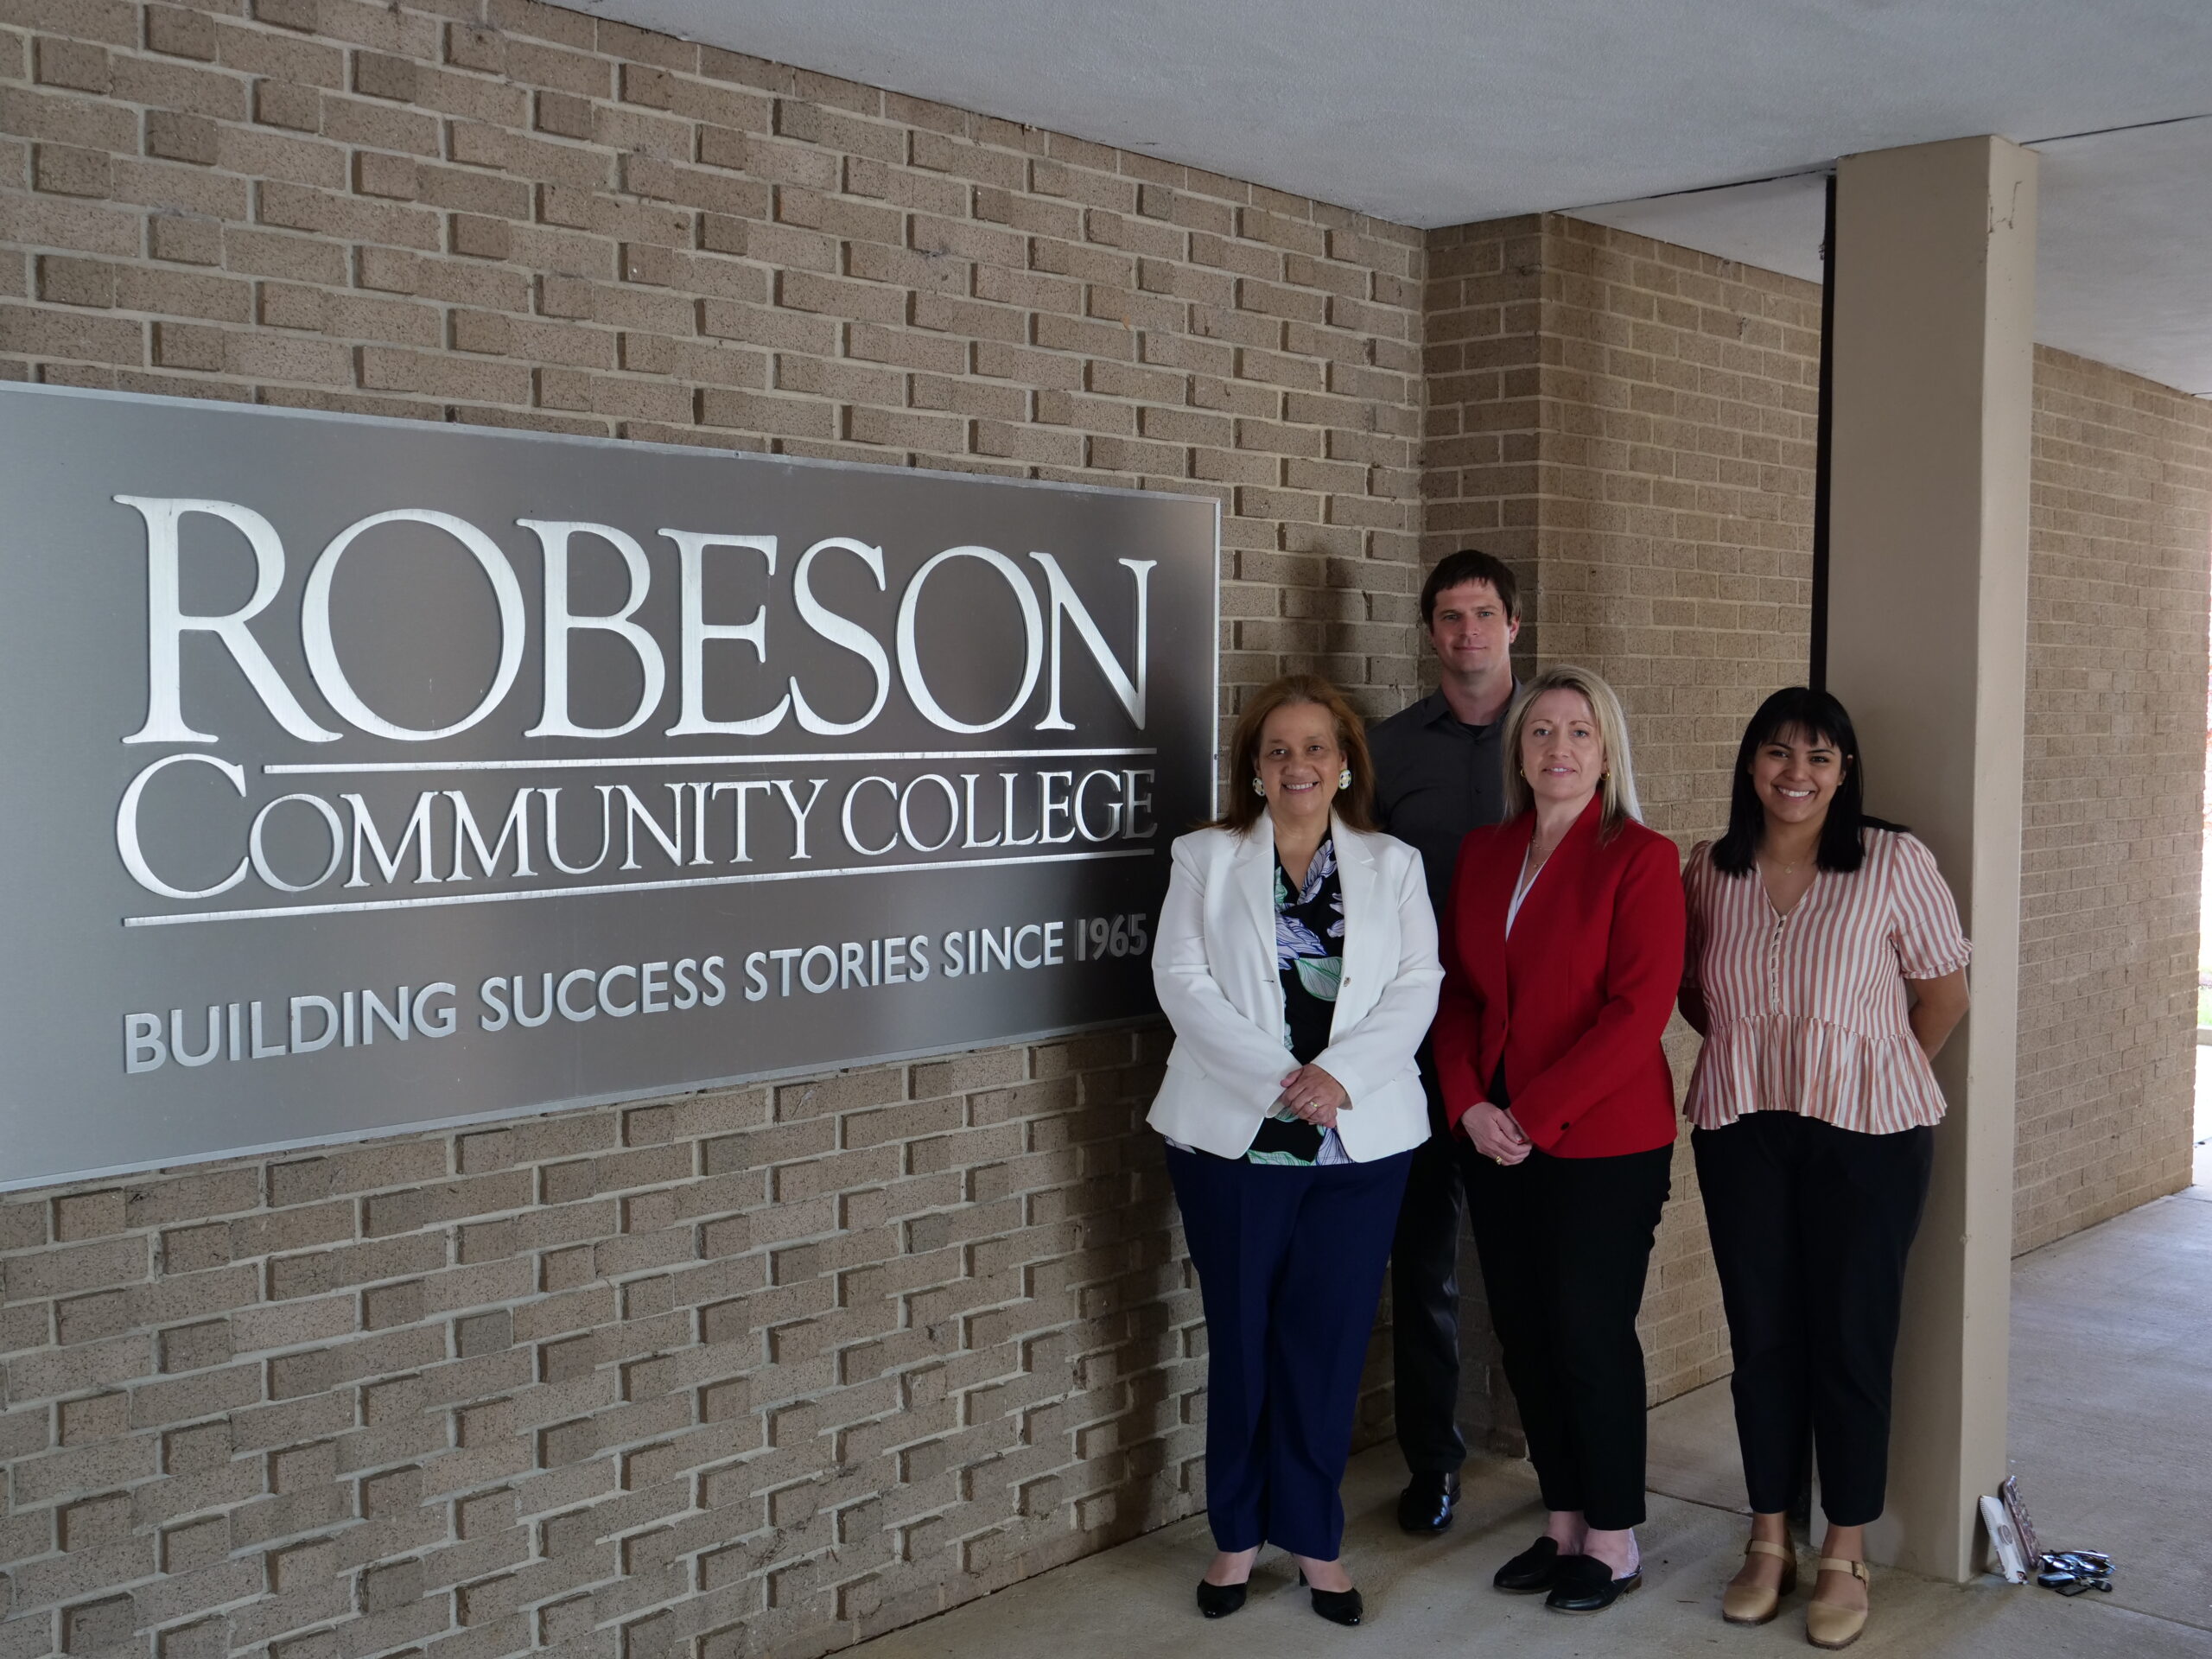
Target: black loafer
(1583, 1584)
(1337, 1606)
(1425, 1507)
(1530, 1573)
(1219, 1600)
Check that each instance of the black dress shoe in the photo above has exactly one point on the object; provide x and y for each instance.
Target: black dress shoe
(1530, 1573)
(1337, 1606)
(1219, 1600)
(1583, 1584)
(1426, 1505)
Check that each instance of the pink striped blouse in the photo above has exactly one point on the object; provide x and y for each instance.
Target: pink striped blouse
(1806, 1013)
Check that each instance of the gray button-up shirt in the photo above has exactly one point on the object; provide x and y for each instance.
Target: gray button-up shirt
(1435, 779)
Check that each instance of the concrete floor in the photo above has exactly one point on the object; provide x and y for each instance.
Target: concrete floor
(2111, 1432)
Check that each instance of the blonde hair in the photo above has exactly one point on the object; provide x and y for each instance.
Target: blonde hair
(1617, 790)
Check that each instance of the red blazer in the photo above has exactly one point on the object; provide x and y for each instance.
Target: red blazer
(1574, 1001)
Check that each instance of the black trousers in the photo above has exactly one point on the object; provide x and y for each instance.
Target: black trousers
(1425, 1300)
(1811, 1225)
(1565, 1245)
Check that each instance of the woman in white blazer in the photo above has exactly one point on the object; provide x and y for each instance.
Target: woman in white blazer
(1296, 959)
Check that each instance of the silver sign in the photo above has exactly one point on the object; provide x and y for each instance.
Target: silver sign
(366, 773)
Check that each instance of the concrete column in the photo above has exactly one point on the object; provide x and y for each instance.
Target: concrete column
(1932, 358)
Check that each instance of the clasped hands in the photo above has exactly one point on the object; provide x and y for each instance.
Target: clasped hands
(1314, 1096)
(1495, 1134)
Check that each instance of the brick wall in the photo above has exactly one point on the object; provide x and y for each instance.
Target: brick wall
(749, 1372)
(1483, 429)
(1633, 425)
(764, 1371)
(2121, 523)
(759, 1367)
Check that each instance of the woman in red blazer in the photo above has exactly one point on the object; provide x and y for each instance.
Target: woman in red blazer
(1562, 952)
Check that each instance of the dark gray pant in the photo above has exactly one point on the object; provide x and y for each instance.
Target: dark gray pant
(1425, 1301)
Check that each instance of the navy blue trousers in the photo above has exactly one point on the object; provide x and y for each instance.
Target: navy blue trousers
(1290, 1265)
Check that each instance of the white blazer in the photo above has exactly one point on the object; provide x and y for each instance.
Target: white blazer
(1214, 966)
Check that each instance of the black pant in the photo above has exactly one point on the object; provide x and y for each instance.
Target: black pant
(1811, 1225)
(1565, 1245)
(1425, 1300)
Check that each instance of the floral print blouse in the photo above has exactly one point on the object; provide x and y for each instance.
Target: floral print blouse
(1309, 955)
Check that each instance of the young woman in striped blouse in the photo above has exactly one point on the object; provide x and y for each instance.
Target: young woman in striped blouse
(1825, 967)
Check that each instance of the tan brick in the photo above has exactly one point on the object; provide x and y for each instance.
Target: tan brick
(479, 237)
(2082, 1037)
(281, 104)
(97, 1626)
(195, 1347)
(81, 66)
(65, 171)
(529, 216)
(180, 33)
(88, 1215)
(101, 1417)
(180, 138)
(91, 1318)
(565, 116)
(184, 240)
(469, 46)
(392, 177)
(377, 74)
(194, 1544)
(222, 299)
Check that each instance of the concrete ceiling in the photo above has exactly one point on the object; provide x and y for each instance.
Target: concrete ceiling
(2123, 258)
(1443, 112)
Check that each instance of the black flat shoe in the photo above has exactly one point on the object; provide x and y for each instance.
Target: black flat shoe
(1530, 1573)
(1425, 1507)
(1337, 1606)
(1219, 1600)
(1583, 1584)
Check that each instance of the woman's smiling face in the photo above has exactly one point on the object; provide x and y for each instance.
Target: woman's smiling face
(1562, 756)
(1794, 774)
(1299, 761)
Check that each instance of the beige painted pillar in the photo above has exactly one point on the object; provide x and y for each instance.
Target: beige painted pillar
(1932, 358)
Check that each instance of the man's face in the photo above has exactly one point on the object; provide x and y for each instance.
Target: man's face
(1469, 629)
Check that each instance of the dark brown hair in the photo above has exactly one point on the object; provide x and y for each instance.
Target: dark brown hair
(1354, 804)
(1470, 565)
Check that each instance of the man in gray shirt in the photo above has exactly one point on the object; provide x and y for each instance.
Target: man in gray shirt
(1441, 771)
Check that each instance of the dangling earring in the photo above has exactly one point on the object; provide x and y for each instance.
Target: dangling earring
(1344, 778)
(1259, 788)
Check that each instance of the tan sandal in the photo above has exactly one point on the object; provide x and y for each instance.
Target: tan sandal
(1829, 1626)
(1755, 1604)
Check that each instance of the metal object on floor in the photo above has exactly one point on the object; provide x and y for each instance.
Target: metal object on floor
(2075, 1572)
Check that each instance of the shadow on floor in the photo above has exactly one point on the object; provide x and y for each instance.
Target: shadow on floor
(2111, 1433)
